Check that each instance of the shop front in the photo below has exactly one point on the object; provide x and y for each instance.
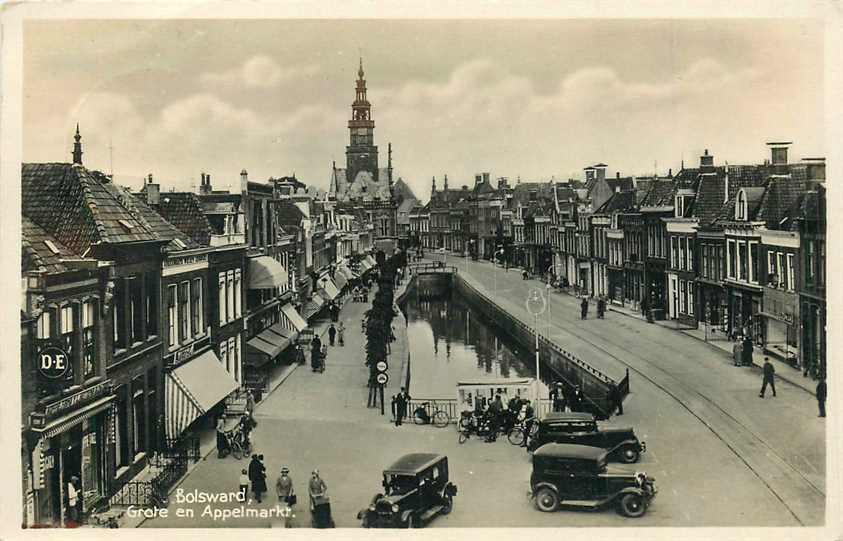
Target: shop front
(68, 439)
(744, 308)
(780, 325)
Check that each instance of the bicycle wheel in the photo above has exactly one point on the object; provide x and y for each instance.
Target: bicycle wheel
(516, 436)
(441, 419)
(237, 451)
(463, 436)
(418, 419)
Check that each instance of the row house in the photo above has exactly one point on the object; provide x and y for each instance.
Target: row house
(610, 245)
(812, 280)
(101, 424)
(534, 203)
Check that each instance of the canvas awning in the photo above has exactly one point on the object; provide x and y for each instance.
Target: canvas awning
(193, 388)
(290, 313)
(266, 273)
(371, 260)
(312, 307)
(329, 289)
(267, 345)
(340, 280)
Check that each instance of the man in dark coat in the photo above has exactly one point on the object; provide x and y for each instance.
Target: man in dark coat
(315, 352)
(553, 395)
(529, 419)
(575, 401)
(332, 334)
(601, 307)
(616, 399)
(401, 402)
(769, 377)
(584, 308)
(747, 351)
(821, 394)
(257, 476)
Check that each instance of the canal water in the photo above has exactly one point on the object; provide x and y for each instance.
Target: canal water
(450, 342)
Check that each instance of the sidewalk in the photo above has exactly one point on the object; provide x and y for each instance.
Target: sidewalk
(720, 343)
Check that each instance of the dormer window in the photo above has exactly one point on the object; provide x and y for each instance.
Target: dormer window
(679, 206)
(740, 206)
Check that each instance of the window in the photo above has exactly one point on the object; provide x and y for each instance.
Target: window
(151, 280)
(683, 292)
(742, 261)
(689, 251)
(42, 326)
(680, 263)
(731, 248)
(224, 355)
(772, 279)
(740, 206)
(753, 262)
(229, 298)
(66, 319)
(223, 312)
(172, 317)
(88, 351)
(197, 325)
(791, 279)
(231, 364)
(138, 415)
(821, 263)
(137, 325)
(184, 311)
(690, 298)
(238, 309)
(121, 425)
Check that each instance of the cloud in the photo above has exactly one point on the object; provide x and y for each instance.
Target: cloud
(258, 72)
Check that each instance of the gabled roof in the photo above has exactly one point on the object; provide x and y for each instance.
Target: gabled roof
(156, 223)
(402, 191)
(779, 203)
(184, 211)
(288, 213)
(711, 192)
(623, 183)
(36, 254)
(80, 208)
(660, 193)
(618, 202)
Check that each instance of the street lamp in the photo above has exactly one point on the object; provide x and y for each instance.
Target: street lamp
(536, 305)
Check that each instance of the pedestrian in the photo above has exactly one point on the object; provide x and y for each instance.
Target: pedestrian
(257, 476)
(616, 400)
(244, 485)
(317, 489)
(315, 353)
(401, 402)
(584, 308)
(576, 399)
(250, 403)
(747, 350)
(286, 495)
(553, 396)
(495, 412)
(73, 501)
(332, 334)
(601, 308)
(299, 355)
(821, 395)
(247, 423)
(645, 307)
(222, 441)
(529, 419)
(341, 334)
(737, 352)
(769, 377)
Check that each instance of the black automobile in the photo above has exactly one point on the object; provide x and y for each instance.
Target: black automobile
(416, 489)
(581, 428)
(575, 476)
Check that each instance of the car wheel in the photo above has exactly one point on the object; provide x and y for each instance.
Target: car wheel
(448, 505)
(463, 436)
(547, 500)
(629, 454)
(632, 505)
(516, 436)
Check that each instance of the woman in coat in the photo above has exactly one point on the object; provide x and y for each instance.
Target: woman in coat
(747, 351)
(286, 495)
(737, 352)
(257, 475)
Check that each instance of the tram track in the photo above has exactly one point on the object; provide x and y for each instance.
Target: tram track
(769, 467)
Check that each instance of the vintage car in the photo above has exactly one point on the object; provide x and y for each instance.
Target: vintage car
(575, 476)
(581, 428)
(416, 489)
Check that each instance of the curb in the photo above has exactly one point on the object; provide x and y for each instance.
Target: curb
(755, 364)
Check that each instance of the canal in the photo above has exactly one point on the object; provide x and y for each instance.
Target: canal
(450, 342)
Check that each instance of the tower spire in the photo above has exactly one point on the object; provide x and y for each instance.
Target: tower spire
(77, 147)
(360, 71)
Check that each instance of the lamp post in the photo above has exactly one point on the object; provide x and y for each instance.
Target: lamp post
(536, 305)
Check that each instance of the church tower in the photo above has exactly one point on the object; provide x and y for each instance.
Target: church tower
(361, 153)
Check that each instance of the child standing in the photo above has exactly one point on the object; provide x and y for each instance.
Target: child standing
(244, 484)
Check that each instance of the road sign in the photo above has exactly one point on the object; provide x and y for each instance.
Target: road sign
(382, 378)
(53, 362)
(536, 303)
(382, 366)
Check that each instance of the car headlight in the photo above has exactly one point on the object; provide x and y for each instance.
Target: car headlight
(395, 508)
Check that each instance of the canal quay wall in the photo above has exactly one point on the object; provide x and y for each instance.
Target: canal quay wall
(565, 367)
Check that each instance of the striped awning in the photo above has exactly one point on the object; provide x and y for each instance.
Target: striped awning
(290, 313)
(312, 307)
(193, 389)
(269, 343)
(330, 288)
(340, 280)
(70, 420)
(283, 332)
(266, 273)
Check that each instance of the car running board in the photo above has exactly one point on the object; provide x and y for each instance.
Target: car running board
(430, 513)
(590, 504)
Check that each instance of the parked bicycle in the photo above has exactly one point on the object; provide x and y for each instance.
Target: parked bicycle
(439, 419)
(237, 443)
(471, 424)
(518, 433)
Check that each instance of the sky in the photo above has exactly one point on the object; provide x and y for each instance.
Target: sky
(535, 99)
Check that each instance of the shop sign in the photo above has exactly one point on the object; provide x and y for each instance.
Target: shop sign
(53, 362)
(83, 396)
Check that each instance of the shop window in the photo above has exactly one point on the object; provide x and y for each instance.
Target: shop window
(121, 435)
(138, 416)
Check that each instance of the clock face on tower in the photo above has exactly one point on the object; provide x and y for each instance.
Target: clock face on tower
(361, 131)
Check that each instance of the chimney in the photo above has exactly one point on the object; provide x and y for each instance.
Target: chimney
(205, 185)
(478, 179)
(617, 174)
(670, 173)
(486, 177)
(706, 162)
(244, 181)
(778, 155)
(502, 183)
(601, 171)
(815, 168)
(589, 174)
(153, 192)
(726, 186)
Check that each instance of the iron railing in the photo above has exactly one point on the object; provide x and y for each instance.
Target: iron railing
(152, 492)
